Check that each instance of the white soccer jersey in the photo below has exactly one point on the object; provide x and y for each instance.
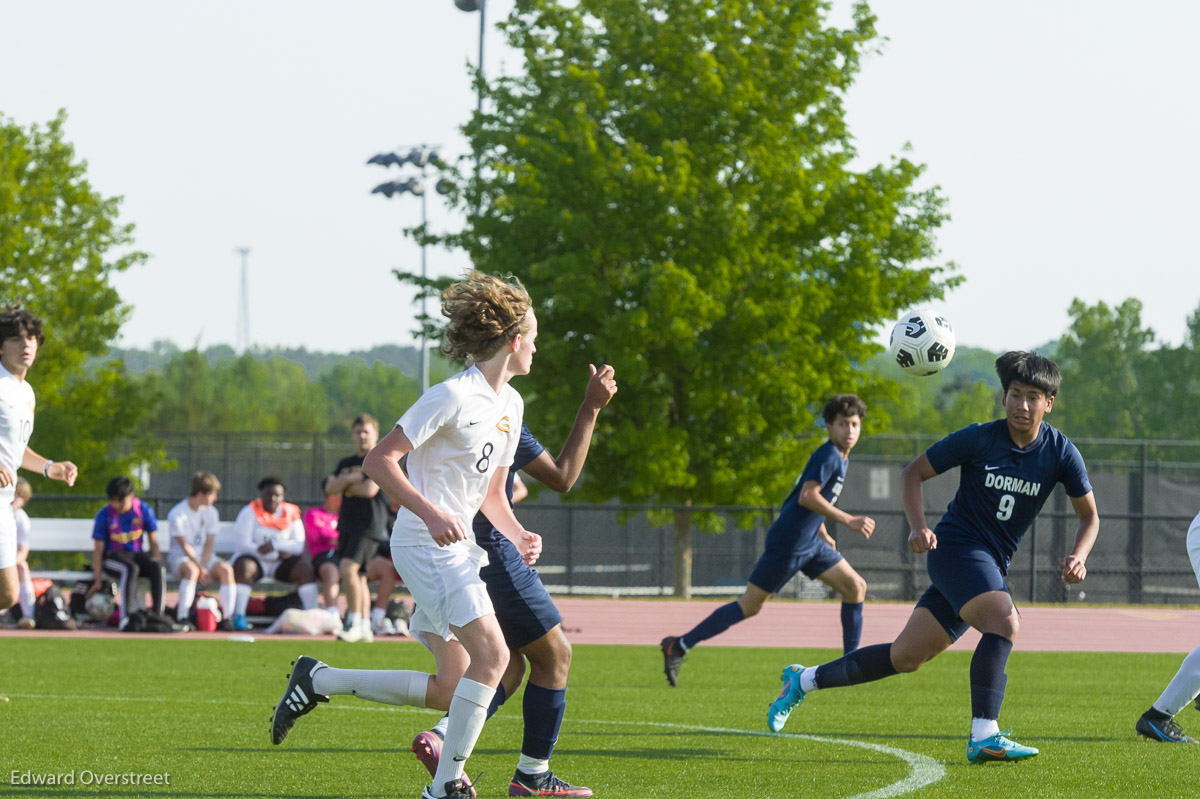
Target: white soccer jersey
(191, 525)
(23, 527)
(16, 426)
(462, 431)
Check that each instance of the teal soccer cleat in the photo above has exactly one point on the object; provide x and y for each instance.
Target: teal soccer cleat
(791, 695)
(998, 749)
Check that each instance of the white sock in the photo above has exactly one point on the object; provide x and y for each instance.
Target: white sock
(187, 595)
(808, 679)
(25, 597)
(333, 609)
(352, 620)
(532, 765)
(440, 727)
(468, 712)
(242, 599)
(386, 686)
(984, 728)
(377, 615)
(1184, 686)
(309, 593)
(227, 595)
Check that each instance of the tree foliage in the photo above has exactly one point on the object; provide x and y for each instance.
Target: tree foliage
(273, 395)
(672, 180)
(1116, 385)
(61, 242)
(1103, 358)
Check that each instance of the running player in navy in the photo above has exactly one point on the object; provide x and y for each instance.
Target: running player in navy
(1008, 469)
(531, 623)
(798, 542)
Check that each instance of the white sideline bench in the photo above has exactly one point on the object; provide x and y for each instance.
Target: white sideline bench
(75, 535)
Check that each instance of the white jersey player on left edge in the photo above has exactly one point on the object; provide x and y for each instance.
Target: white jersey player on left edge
(20, 337)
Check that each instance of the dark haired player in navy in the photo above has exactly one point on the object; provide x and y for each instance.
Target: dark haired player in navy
(798, 541)
(1008, 469)
(531, 623)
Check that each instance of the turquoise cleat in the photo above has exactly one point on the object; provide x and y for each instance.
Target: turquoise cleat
(791, 695)
(998, 749)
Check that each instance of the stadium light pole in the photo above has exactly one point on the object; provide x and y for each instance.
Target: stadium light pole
(421, 157)
(472, 6)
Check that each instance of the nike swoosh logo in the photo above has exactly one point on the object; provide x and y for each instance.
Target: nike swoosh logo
(472, 424)
(990, 468)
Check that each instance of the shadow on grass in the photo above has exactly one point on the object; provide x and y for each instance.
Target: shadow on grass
(90, 792)
(295, 750)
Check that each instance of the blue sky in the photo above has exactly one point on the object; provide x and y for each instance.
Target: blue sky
(1062, 132)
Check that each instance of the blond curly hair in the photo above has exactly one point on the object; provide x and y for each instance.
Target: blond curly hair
(485, 312)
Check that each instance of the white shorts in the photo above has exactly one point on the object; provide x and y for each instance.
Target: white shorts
(1193, 545)
(445, 585)
(173, 564)
(8, 537)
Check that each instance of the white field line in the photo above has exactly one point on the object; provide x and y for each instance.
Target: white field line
(923, 770)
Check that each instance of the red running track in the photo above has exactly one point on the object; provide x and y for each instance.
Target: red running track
(817, 624)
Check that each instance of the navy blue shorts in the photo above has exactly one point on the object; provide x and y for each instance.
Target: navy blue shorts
(523, 606)
(778, 565)
(958, 573)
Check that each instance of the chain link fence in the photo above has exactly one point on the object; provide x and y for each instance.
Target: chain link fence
(1147, 493)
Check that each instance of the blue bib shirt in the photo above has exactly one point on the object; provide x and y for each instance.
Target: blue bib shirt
(796, 526)
(1002, 487)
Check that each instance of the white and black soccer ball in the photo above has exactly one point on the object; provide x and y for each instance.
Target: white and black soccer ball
(99, 606)
(922, 343)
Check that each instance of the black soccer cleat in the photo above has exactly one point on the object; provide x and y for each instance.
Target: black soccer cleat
(455, 789)
(1162, 728)
(299, 697)
(672, 658)
(544, 784)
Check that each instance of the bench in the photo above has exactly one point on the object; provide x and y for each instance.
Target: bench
(75, 535)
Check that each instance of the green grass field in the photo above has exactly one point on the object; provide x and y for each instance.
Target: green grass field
(198, 710)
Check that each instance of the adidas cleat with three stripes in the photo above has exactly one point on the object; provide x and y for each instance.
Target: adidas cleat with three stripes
(298, 699)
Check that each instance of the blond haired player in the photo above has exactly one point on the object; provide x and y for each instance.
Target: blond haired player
(460, 438)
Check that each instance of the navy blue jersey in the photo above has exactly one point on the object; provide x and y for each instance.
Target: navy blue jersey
(1002, 486)
(528, 448)
(795, 523)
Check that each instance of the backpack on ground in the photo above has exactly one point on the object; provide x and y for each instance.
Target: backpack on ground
(51, 611)
(150, 621)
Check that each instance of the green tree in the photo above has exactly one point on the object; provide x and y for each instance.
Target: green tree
(61, 242)
(243, 394)
(1103, 357)
(672, 180)
(352, 388)
(1170, 388)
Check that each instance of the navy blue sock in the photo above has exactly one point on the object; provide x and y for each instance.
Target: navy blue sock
(544, 709)
(862, 665)
(497, 700)
(717, 622)
(987, 675)
(851, 626)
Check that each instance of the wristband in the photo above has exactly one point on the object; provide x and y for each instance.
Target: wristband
(46, 467)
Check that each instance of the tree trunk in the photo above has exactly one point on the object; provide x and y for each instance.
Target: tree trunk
(683, 551)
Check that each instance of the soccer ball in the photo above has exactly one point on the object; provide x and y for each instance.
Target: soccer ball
(99, 606)
(922, 342)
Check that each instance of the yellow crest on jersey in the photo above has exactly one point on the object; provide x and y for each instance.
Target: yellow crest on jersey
(504, 425)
